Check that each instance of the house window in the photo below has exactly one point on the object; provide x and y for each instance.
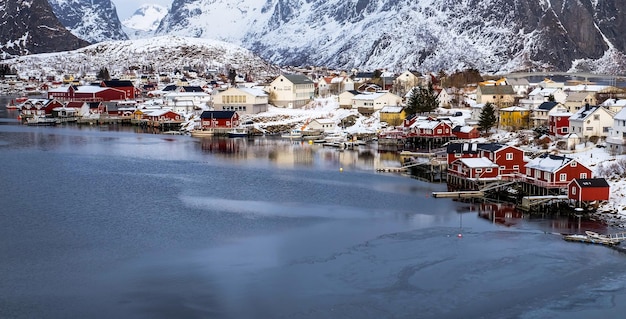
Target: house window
(509, 156)
(563, 177)
(528, 172)
(596, 117)
(546, 176)
(573, 164)
(479, 170)
(583, 175)
(589, 128)
(516, 167)
(457, 155)
(564, 129)
(438, 131)
(537, 173)
(488, 170)
(573, 190)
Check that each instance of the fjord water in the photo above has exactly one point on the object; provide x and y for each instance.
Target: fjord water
(105, 222)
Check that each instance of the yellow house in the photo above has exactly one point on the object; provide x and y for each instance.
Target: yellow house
(291, 91)
(514, 117)
(392, 115)
(242, 100)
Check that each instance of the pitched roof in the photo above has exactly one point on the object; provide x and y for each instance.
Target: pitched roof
(217, 114)
(591, 182)
(547, 106)
(118, 83)
(548, 162)
(477, 162)
(496, 89)
(298, 79)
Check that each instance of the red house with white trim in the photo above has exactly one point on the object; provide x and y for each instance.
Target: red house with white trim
(554, 171)
(478, 168)
(430, 128)
(87, 93)
(558, 124)
(465, 132)
(162, 115)
(588, 190)
(219, 119)
(510, 159)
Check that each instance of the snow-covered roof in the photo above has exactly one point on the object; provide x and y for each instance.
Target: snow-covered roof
(514, 109)
(477, 162)
(254, 91)
(548, 162)
(368, 96)
(90, 89)
(621, 115)
(391, 109)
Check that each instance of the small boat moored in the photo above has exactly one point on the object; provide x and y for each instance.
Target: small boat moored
(238, 132)
(592, 237)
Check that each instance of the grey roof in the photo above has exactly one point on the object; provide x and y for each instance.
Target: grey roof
(298, 79)
(217, 114)
(547, 106)
(496, 89)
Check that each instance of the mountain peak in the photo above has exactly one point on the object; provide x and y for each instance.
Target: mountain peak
(146, 18)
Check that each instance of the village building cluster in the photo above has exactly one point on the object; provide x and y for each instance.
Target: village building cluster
(565, 113)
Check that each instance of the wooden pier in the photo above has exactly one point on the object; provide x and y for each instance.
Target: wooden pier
(529, 201)
(461, 194)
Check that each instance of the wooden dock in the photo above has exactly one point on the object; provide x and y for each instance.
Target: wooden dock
(461, 194)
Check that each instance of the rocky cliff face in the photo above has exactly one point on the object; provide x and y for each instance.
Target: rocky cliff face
(490, 35)
(30, 26)
(91, 20)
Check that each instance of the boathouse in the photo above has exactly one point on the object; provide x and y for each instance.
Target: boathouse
(548, 172)
(478, 169)
(219, 119)
(588, 190)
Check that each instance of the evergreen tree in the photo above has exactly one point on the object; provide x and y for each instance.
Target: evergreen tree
(103, 74)
(427, 100)
(232, 76)
(413, 102)
(487, 118)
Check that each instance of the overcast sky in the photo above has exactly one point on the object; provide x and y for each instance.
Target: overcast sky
(125, 8)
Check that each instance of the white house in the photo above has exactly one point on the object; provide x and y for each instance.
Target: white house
(322, 125)
(375, 101)
(184, 102)
(242, 100)
(616, 141)
(291, 91)
(540, 95)
(591, 121)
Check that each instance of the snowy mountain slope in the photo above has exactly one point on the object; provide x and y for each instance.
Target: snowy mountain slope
(490, 35)
(146, 18)
(30, 26)
(163, 54)
(91, 20)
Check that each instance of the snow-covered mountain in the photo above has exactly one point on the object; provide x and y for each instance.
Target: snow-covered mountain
(144, 21)
(30, 26)
(161, 54)
(489, 35)
(91, 20)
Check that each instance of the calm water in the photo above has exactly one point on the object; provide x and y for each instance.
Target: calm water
(103, 222)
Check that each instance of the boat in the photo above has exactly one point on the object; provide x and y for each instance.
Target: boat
(295, 133)
(592, 237)
(202, 132)
(11, 105)
(41, 121)
(238, 132)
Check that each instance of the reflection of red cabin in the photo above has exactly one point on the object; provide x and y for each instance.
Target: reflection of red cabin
(503, 214)
(554, 171)
(465, 132)
(474, 168)
(588, 190)
(558, 124)
(219, 119)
